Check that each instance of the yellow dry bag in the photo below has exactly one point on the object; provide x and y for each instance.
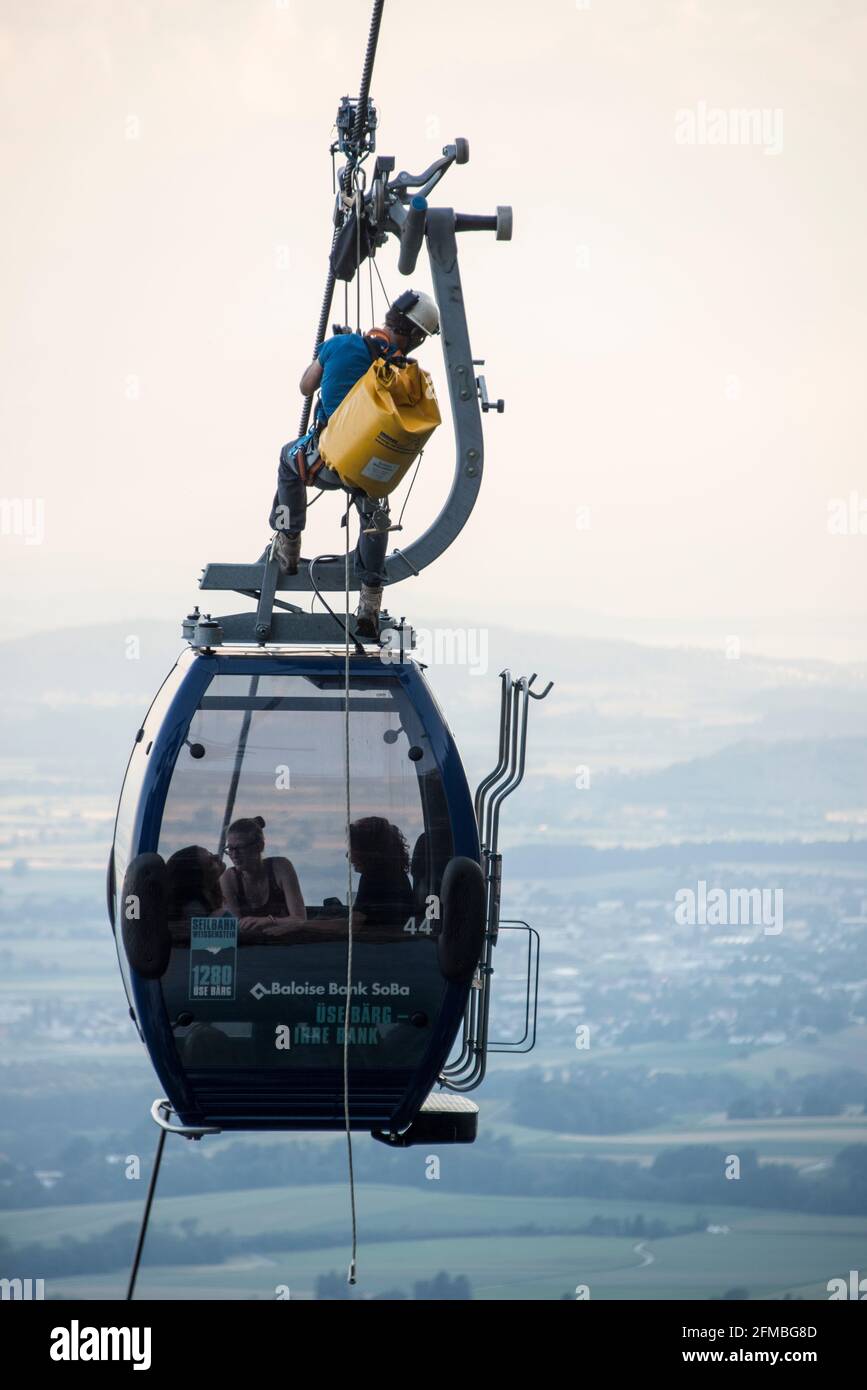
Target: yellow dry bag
(380, 427)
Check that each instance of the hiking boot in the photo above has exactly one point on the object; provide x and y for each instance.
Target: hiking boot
(287, 548)
(367, 618)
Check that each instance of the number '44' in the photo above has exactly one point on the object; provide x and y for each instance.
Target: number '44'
(423, 928)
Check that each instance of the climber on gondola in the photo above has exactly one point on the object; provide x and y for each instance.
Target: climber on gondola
(340, 362)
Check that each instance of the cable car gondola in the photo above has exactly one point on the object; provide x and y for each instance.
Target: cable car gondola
(244, 1020)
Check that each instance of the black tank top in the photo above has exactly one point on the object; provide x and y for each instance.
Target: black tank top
(275, 905)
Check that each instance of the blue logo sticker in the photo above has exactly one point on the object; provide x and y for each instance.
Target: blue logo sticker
(213, 957)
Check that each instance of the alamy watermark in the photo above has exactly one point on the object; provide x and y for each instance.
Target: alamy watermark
(761, 126)
(25, 1289)
(443, 646)
(854, 1288)
(733, 907)
(847, 516)
(24, 518)
(77, 1343)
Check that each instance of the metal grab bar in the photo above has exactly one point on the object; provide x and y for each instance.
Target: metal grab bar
(505, 701)
(469, 1067)
(503, 1044)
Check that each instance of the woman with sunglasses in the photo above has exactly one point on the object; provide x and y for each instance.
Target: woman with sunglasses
(263, 893)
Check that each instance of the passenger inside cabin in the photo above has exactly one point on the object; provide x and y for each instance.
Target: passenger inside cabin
(380, 854)
(194, 877)
(262, 892)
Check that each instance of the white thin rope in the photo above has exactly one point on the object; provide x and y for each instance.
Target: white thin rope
(346, 1011)
(411, 486)
(382, 286)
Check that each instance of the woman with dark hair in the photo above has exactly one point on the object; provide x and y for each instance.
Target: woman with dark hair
(263, 893)
(380, 854)
(194, 876)
(193, 881)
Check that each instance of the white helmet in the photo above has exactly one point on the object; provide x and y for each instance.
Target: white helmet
(420, 309)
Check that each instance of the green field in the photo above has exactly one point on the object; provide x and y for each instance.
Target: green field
(752, 1064)
(768, 1252)
(794, 1139)
(511, 1247)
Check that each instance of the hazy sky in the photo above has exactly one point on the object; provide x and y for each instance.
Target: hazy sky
(678, 326)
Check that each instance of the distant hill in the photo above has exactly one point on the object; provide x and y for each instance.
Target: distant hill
(547, 860)
(655, 725)
(830, 772)
(73, 699)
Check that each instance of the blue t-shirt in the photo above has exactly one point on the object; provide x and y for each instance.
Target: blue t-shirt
(344, 358)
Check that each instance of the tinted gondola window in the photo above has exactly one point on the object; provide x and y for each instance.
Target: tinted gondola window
(129, 806)
(252, 981)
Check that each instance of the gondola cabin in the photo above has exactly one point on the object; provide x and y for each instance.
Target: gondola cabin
(237, 782)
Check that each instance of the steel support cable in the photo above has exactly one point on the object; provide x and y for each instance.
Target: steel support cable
(324, 312)
(357, 133)
(327, 299)
(367, 72)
